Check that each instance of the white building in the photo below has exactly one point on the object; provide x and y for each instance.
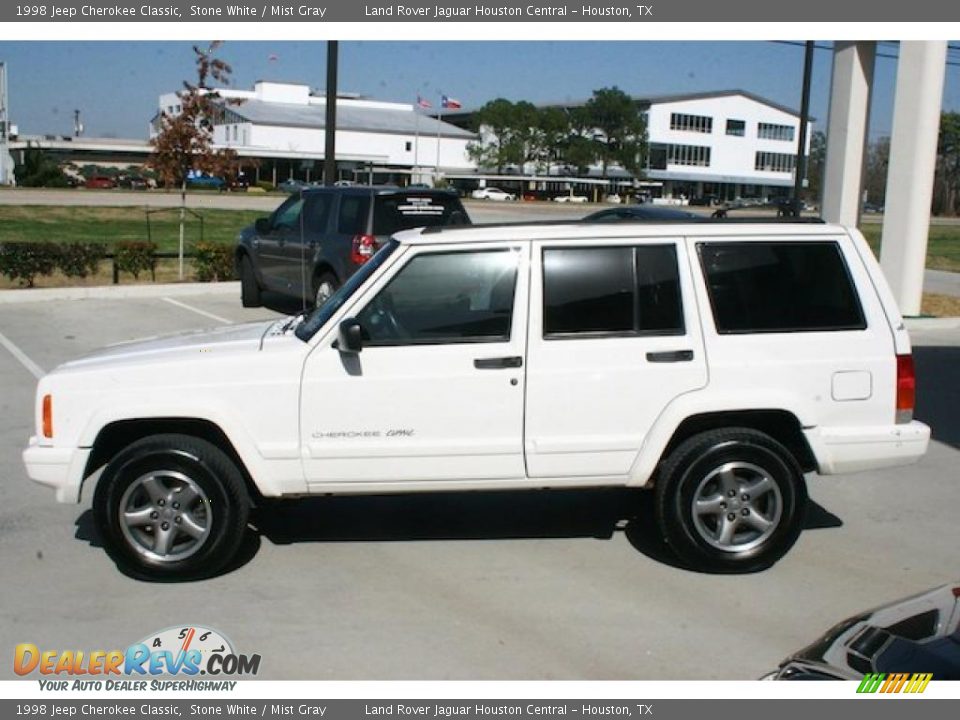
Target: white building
(730, 144)
(282, 127)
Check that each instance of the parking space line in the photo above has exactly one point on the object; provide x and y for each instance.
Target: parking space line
(37, 371)
(198, 311)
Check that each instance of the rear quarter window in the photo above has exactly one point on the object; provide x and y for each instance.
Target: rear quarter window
(393, 213)
(758, 287)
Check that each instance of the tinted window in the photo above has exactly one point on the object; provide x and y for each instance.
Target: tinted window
(287, 216)
(779, 287)
(317, 211)
(445, 298)
(392, 213)
(352, 219)
(612, 290)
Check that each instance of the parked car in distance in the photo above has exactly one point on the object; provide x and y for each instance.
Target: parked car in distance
(917, 635)
(713, 364)
(492, 193)
(872, 208)
(570, 198)
(613, 198)
(292, 186)
(132, 182)
(647, 213)
(210, 182)
(321, 235)
(100, 182)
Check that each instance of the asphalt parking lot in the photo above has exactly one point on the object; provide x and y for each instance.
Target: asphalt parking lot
(485, 586)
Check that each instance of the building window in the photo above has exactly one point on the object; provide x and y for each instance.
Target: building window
(688, 155)
(236, 133)
(769, 131)
(408, 146)
(691, 123)
(775, 162)
(736, 127)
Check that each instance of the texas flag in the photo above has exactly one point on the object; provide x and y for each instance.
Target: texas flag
(449, 103)
(421, 102)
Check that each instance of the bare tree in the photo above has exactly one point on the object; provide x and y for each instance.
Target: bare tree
(184, 143)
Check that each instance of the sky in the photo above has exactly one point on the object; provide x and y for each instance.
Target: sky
(115, 85)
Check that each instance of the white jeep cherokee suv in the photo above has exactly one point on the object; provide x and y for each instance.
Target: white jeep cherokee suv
(711, 363)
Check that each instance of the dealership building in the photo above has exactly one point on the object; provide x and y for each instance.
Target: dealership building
(280, 129)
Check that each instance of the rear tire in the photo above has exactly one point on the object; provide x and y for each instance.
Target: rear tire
(171, 507)
(249, 287)
(730, 500)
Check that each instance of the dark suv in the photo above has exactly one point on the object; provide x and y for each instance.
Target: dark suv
(319, 237)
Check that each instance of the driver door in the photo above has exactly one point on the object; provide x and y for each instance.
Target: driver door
(436, 392)
(275, 263)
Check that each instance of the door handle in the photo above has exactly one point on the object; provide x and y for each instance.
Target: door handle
(670, 356)
(498, 363)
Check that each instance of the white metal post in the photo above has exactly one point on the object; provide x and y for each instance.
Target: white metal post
(913, 160)
(847, 124)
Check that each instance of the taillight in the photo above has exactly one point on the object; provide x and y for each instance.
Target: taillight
(906, 388)
(47, 416)
(364, 246)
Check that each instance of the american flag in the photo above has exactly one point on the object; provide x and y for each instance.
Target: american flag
(449, 103)
(422, 102)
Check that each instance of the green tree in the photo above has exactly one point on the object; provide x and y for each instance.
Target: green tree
(947, 179)
(500, 145)
(185, 140)
(875, 170)
(580, 149)
(553, 127)
(621, 129)
(39, 170)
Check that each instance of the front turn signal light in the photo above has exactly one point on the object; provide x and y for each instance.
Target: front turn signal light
(47, 416)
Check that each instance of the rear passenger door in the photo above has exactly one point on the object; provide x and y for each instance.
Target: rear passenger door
(614, 337)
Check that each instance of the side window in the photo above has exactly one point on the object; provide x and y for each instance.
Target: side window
(352, 219)
(759, 287)
(287, 216)
(317, 211)
(441, 298)
(611, 291)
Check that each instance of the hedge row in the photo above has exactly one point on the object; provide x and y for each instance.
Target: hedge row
(23, 261)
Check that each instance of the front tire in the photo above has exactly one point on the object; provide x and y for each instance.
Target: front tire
(730, 500)
(171, 506)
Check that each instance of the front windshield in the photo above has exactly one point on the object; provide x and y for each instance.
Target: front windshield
(319, 316)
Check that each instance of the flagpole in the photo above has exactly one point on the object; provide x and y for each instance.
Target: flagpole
(416, 144)
(436, 176)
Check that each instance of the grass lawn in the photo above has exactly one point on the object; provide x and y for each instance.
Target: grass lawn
(943, 246)
(112, 224)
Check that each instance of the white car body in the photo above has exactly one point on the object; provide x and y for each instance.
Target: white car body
(304, 418)
(570, 198)
(492, 193)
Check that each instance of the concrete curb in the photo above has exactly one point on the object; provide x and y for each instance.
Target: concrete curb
(951, 323)
(115, 292)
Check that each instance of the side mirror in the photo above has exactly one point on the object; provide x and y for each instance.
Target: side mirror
(350, 337)
(262, 225)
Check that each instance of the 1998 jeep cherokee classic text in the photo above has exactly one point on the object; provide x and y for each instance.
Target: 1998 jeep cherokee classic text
(712, 363)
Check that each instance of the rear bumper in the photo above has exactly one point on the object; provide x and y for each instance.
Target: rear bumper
(853, 449)
(59, 468)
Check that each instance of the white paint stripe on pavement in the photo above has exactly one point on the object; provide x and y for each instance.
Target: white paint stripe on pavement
(29, 364)
(198, 311)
